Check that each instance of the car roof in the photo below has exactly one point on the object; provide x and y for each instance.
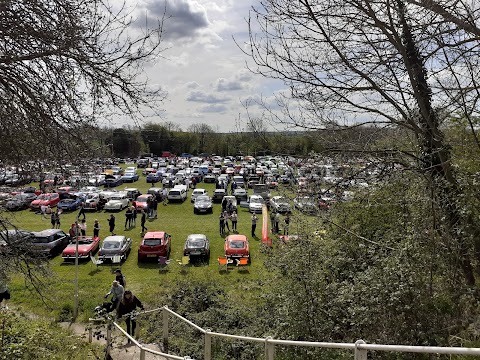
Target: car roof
(47, 232)
(154, 235)
(236, 237)
(114, 238)
(197, 237)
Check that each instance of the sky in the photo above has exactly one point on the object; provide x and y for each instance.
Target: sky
(203, 70)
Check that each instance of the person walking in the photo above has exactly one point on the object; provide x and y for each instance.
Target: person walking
(154, 207)
(117, 292)
(254, 224)
(226, 217)
(286, 222)
(277, 222)
(126, 306)
(111, 224)
(96, 229)
(57, 219)
(234, 219)
(134, 215)
(53, 219)
(142, 222)
(128, 218)
(83, 227)
(81, 212)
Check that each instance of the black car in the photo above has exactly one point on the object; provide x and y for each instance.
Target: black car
(197, 245)
(203, 204)
(20, 201)
(218, 195)
(50, 242)
(209, 178)
(14, 237)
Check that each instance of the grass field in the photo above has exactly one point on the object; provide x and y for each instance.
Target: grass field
(144, 279)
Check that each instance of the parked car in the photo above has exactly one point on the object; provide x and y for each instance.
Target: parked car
(141, 203)
(153, 178)
(93, 202)
(197, 245)
(203, 204)
(157, 192)
(15, 238)
(49, 199)
(154, 244)
(305, 204)
(20, 201)
(197, 192)
(132, 193)
(255, 204)
(218, 195)
(117, 202)
(240, 194)
(70, 204)
(113, 180)
(50, 242)
(280, 204)
(236, 246)
(209, 178)
(115, 246)
(177, 195)
(130, 176)
(87, 246)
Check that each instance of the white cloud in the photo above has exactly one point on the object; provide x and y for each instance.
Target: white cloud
(205, 97)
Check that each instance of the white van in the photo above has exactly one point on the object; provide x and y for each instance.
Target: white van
(176, 194)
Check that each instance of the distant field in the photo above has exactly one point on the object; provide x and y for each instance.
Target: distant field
(144, 279)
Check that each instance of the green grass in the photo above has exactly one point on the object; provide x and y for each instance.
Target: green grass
(144, 279)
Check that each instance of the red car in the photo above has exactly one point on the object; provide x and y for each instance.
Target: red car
(87, 245)
(236, 246)
(141, 202)
(154, 244)
(51, 199)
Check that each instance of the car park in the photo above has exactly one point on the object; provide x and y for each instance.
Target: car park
(262, 190)
(113, 180)
(229, 203)
(203, 204)
(20, 201)
(154, 244)
(153, 178)
(240, 194)
(70, 204)
(197, 245)
(141, 203)
(157, 192)
(197, 192)
(50, 242)
(255, 204)
(209, 178)
(236, 246)
(130, 176)
(113, 247)
(132, 193)
(118, 201)
(93, 202)
(177, 195)
(87, 246)
(305, 204)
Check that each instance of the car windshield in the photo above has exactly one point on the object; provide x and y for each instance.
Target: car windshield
(152, 242)
(20, 197)
(91, 196)
(142, 199)
(43, 197)
(84, 241)
(111, 245)
(195, 243)
(203, 198)
(256, 200)
(174, 192)
(42, 240)
(116, 198)
(237, 244)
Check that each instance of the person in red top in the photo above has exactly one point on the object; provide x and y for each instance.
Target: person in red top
(126, 305)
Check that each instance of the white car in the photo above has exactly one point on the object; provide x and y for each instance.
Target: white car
(197, 192)
(177, 195)
(255, 204)
(117, 202)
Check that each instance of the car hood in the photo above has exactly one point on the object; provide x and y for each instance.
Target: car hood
(113, 202)
(70, 249)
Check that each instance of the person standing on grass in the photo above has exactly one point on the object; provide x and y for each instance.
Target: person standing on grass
(53, 219)
(127, 304)
(82, 211)
(254, 224)
(154, 207)
(221, 219)
(234, 219)
(286, 222)
(83, 227)
(128, 218)
(272, 221)
(226, 217)
(277, 222)
(134, 215)
(111, 224)
(57, 219)
(143, 219)
(120, 278)
(96, 229)
(4, 293)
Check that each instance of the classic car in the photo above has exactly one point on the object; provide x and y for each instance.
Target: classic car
(97, 180)
(236, 246)
(197, 245)
(203, 204)
(154, 244)
(153, 178)
(197, 192)
(132, 193)
(70, 204)
(87, 246)
(93, 202)
(113, 180)
(118, 201)
(280, 204)
(20, 201)
(115, 247)
(50, 242)
(141, 203)
(50, 199)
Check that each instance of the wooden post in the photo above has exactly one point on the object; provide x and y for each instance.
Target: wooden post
(165, 329)
(90, 335)
(142, 353)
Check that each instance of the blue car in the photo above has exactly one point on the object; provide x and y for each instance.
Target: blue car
(70, 204)
(113, 180)
(153, 178)
(130, 177)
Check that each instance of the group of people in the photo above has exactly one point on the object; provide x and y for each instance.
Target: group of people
(275, 220)
(123, 301)
(224, 217)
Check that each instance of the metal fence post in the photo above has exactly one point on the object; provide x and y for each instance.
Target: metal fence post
(208, 345)
(360, 354)
(165, 329)
(269, 349)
